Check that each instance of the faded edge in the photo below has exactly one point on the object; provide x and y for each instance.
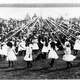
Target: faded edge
(41, 5)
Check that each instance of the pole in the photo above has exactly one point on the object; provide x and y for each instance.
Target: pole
(26, 26)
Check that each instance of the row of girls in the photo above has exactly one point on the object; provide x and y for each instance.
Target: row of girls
(40, 47)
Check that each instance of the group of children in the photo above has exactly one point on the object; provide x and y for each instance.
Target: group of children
(31, 48)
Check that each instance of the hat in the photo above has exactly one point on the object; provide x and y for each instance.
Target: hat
(9, 44)
(78, 36)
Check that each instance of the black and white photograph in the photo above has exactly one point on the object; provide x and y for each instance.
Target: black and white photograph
(39, 39)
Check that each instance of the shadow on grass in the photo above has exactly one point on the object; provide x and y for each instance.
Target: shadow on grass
(62, 69)
(29, 69)
(44, 69)
(14, 69)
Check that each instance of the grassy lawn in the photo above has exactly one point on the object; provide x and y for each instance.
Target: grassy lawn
(40, 70)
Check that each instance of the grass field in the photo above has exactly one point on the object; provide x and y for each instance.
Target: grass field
(40, 70)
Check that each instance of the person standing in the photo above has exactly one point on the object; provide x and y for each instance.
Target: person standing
(44, 49)
(35, 45)
(77, 45)
(21, 47)
(28, 57)
(35, 48)
(11, 54)
(68, 57)
(52, 53)
(4, 50)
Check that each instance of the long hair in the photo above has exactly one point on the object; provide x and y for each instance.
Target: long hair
(27, 44)
(46, 41)
(9, 44)
(52, 45)
(46, 44)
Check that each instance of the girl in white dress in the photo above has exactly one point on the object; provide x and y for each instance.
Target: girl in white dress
(77, 45)
(11, 54)
(35, 46)
(68, 57)
(28, 57)
(4, 50)
(44, 49)
(22, 48)
(52, 53)
(21, 45)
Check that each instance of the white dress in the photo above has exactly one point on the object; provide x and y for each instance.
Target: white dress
(0, 51)
(21, 46)
(35, 45)
(14, 50)
(77, 45)
(68, 56)
(28, 56)
(11, 55)
(45, 48)
(52, 54)
(4, 49)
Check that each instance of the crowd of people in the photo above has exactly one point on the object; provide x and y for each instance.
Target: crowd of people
(39, 48)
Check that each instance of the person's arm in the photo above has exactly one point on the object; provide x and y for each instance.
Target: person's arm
(56, 48)
(21, 46)
(42, 42)
(64, 46)
(14, 51)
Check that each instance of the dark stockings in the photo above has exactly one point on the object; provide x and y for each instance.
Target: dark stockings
(75, 52)
(10, 63)
(69, 64)
(29, 64)
(52, 62)
(44, 55)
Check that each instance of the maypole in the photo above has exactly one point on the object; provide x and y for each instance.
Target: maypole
(62, 28)
(55, 32)
(23, 27)
(50, 28)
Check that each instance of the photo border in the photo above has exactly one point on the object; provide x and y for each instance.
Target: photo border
(41, 5)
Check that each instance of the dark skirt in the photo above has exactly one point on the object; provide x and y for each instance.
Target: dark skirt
(22, 53)
(35, 51)
(44, 55)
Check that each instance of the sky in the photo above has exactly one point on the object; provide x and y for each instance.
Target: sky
(20, 13)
